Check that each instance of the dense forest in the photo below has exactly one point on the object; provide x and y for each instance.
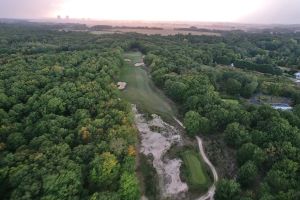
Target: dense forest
(265, 141)
(66, 134)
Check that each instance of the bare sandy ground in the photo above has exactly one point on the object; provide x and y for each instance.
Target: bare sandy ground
(139, 64)
(157, 137)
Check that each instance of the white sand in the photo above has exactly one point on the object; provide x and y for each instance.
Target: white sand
(157, 144)
(139, 64)
(121, 85)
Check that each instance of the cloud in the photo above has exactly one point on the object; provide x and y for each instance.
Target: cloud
(276, 12)
(251, 11)
(27, 8)
(184, 10)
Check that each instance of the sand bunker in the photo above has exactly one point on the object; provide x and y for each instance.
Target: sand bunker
(157, 137)
(139, 64)
(121, 85)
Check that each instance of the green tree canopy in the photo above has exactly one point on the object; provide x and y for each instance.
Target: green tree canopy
(104, 169)
(227, 190)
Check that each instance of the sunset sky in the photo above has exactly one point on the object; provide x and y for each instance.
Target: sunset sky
(251, 11)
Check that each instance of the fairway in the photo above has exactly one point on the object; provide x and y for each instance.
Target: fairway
(141, 90)
(134, 56)
(196, 175)
(231, 101)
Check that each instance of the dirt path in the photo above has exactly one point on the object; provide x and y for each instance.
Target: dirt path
(211, 192)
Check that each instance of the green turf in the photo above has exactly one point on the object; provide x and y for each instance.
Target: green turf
(134, 56)
(196, 174)
(141, 90)
(231, 101)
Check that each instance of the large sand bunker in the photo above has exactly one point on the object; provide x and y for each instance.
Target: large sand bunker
(157, 137)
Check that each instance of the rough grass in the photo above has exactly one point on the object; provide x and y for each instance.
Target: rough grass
(141, 90)
(194, 170)
(149, 178)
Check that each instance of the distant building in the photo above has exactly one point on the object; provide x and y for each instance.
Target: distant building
(67, 17)
(297, 75)
(58, 17)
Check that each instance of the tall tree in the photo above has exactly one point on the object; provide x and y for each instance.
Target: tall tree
(227, 190)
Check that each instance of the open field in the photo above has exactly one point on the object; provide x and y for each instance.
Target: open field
(141, 91)
(135, 57)
(195, 171)
(163, 32)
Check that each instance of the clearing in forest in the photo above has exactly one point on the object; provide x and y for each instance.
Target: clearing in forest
(141, 90)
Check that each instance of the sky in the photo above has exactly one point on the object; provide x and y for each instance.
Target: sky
(244, 11)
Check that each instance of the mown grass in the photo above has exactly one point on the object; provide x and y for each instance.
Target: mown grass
(141, 90)
(134, 56)
(194, 171)
(231, 101)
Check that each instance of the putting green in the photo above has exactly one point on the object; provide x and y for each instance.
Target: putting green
(197, 176)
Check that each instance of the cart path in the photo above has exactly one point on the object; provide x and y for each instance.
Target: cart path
(211, 192)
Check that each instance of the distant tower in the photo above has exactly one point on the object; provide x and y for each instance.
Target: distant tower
(58, 17)
(67, 17)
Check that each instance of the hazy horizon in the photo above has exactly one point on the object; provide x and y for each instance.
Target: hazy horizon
(235, 11)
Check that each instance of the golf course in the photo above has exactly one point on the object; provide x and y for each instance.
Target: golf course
(141, 91)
